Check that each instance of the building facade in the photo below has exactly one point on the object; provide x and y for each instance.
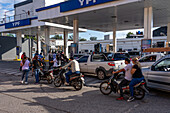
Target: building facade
(125, 44)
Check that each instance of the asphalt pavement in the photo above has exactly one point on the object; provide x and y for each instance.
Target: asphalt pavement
(45, 98)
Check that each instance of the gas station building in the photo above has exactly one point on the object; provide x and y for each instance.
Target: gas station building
(99, 15)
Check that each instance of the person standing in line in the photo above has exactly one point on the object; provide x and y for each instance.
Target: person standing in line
(50, 60)
(54, 55)
(25, 63)
(62, 60)
(36, 67)
(40, 57)
(23, 55)
(56, 62)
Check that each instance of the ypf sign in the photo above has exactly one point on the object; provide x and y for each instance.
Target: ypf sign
(82, 2)
(77, 4)
(18, 23)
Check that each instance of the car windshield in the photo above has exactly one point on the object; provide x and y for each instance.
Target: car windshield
(119, 55)
(107, 54)
(77, 56)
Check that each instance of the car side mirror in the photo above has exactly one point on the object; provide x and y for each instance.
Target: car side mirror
(153, 68)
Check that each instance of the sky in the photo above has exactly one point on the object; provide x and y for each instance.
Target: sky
(6, 5)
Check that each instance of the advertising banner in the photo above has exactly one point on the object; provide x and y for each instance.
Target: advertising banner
(146, 43)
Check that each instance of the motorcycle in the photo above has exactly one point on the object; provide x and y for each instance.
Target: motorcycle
(46, 75)
(107, 87)
(76, 80)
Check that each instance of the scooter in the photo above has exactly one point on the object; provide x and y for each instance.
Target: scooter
(76, 80)
(107, 87)
(46, 75)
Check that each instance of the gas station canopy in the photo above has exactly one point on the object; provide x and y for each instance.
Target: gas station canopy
(102, 15)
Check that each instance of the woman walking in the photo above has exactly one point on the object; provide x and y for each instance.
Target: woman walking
(25, 63)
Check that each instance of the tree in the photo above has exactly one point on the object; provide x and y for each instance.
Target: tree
(129, 34)
(30, 37)
(70, 38)
(93, 38)
(10, 35)
(83, 39)
(57, 37)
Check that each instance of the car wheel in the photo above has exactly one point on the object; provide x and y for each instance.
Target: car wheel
(101, 74)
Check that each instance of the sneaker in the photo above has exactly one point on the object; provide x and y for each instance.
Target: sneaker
(22, 82)
(120, 98)
(26, 83)
(130, 99)
(67, 84)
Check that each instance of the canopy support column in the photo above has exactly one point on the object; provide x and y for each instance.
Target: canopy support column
(114, 40)
(39, 41)
(19, 44)
(65, 43)
(168, 36)
(75, 35)
(114, 31)
(148, 22)
(47, 41)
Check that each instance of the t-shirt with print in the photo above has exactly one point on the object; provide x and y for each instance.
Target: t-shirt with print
(36, 64)
(25, 65)
(55, 63)
(128, 75)
(138, 72)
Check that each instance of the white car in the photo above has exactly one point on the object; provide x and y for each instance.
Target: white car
(158, 75)
(150, 59)
(98, 64)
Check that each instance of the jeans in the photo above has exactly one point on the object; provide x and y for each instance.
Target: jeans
(25, 72)
(123, 83)
(70, 73)
(50, 65)
(37, 75)
(133, 83)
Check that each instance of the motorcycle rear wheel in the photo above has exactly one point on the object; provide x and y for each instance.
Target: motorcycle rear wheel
(105, 88)
(139, 93)
(79, 85)
(57, 81)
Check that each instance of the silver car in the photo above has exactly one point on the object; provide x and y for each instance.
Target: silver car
(158, 75)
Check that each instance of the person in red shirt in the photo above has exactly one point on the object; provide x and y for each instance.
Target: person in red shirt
(22, 56)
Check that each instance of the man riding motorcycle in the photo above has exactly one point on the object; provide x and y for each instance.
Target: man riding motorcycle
(127, 79)
(75, 69)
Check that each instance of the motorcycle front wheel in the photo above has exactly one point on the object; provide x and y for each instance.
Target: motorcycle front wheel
(105, 88)
(49, 79)
(78, 85)
(57, 81)
(139, 93)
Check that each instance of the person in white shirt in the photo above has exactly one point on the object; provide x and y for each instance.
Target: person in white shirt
(56, 62)
(25, 63)
(127, 79)
(74, 68)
